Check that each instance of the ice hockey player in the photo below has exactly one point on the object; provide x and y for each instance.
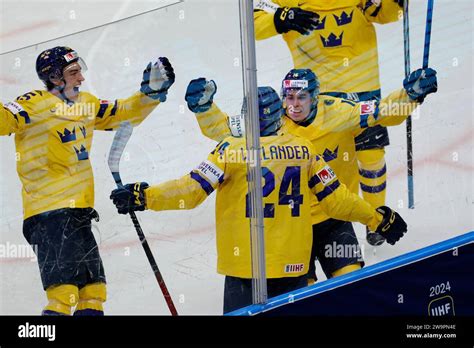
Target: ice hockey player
(330, 123)
(291, 169)
(337, 40)
(53, 135)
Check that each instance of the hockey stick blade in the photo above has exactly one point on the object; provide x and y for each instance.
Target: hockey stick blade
(121, 138)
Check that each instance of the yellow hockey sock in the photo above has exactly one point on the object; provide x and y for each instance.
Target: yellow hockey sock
(346, 269)
(92, 297)
(373, 176)
(61, 299)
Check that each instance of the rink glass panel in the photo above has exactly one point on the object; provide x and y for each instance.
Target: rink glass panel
(201, 39)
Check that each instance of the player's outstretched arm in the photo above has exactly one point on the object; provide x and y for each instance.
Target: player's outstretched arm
(394, 108)
(185, 193)
(157, 79)
(339, 203)
(200, 100)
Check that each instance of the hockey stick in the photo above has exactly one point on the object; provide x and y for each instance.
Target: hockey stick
(426, 54)
(406, 47)
(429, 21)
(118, 145)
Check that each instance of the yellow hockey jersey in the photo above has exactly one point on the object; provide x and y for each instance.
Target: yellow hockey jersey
(53, 141)
(342, 51)
(290, 169)
(331, 132)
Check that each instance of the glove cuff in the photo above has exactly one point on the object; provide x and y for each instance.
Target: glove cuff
(278, 19)
(196, 108)
(155, 95)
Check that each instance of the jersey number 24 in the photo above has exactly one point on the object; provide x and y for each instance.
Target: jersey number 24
(292, 198)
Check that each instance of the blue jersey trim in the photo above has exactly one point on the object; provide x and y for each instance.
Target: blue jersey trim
(206, 186)
(327, 190)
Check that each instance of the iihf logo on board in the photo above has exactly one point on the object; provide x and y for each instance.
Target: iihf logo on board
(441, 307)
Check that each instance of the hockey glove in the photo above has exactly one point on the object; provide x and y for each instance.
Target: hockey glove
(157, 79)
(420, 83)
(130, 197)
(200, 94)
(392, 226)
(294, 18)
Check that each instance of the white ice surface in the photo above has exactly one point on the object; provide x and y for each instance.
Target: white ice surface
(201, 38)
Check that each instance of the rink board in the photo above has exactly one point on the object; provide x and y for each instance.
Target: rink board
(433, 281)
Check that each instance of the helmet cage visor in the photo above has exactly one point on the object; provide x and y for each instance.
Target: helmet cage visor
(60, 74)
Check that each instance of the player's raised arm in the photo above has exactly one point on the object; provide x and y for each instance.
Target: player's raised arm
(339, 203)
(200, 99)
(186, 192)
(397, 106)
(158, 77)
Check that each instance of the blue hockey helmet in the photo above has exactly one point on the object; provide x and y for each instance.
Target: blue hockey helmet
(50, 63)
(270, 110)
(300, 79)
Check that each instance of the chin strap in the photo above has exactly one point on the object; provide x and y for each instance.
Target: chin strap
(62, 95)
(312, 115)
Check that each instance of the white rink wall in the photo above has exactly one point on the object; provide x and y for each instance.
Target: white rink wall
(202, 38)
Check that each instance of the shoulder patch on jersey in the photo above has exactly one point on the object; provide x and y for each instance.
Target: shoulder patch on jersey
(367, 107)
(326, 175)
(14, 107)
(237, 125)
(329, 102)
(211, 172)
(265, 5)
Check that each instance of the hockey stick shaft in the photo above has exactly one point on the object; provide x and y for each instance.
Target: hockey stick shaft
(406, 47)
(429, 21)
(152, 261)
(120, 140)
